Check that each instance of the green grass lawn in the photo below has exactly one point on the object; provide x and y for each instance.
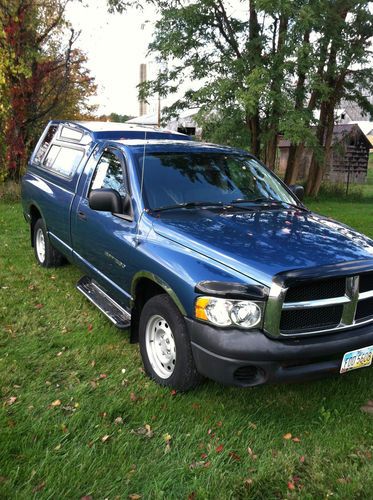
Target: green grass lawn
(75, 403)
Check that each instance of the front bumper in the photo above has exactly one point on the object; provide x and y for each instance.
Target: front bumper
(245, 359)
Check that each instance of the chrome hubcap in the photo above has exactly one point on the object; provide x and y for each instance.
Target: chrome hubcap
(40, 245)
(160, 346)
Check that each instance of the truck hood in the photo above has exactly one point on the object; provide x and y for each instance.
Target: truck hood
(262, 243)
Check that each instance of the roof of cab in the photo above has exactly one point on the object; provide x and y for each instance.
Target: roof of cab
(164, 146)
(117, 131)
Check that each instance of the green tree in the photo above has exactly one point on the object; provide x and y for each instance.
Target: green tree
(271, 63)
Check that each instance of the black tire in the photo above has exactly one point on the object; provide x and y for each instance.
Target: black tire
(52, 257)
(184, 375)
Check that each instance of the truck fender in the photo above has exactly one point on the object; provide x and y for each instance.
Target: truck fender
(136, 310)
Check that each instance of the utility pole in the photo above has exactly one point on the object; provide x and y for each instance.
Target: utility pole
(159, 110)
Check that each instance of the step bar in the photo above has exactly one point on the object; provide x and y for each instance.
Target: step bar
(112, 310)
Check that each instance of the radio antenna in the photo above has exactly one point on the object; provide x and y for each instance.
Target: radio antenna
(137, 240)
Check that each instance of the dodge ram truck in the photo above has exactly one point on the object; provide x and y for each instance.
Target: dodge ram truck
(212, 263)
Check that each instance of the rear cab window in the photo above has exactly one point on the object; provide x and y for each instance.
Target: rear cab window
(63, 160)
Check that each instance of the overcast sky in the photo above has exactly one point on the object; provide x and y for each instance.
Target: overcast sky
(115, 45)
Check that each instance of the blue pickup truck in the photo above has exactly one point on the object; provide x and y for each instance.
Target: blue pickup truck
(214, 266)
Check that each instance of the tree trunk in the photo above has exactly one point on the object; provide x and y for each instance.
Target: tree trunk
(276, 86)
(271, 150)
(296, 150)
(291, 173)
(253, 124)
(252, 119)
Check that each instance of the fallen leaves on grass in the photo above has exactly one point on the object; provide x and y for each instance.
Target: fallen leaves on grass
(344, 480)
(291, 485)
(219, 448)
(11, 400)
(118, 421)
(294, 482)
(39, 487)
(133, 397)
(145, 431)
(251, 453)
(368, 407)
(173, 392)
(167, 438)
(234, 456)
(86, 497)
(39, 306)
(134, 496)
(248, 482)
(105, 438)
(90, 327)
(55, 403)
(69, 408)
(198, 465)
(289, 436)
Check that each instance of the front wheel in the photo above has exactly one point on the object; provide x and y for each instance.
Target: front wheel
(165, 346)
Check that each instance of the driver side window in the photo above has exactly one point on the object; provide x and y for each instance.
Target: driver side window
(109, 173)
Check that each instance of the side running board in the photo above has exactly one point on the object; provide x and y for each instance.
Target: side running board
(116, 313)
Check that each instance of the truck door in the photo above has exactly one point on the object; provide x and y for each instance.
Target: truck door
(104, 243)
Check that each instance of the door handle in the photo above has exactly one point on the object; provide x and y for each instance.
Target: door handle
(82, 215)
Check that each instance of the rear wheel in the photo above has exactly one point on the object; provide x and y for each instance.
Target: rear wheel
(165, 346)
(45, 253)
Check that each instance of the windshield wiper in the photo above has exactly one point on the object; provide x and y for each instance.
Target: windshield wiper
(190, 204)
(271, 201)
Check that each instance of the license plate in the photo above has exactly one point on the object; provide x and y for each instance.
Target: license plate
(357, 359)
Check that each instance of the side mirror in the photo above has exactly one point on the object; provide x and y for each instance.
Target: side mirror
(298, 191)
(105, 200)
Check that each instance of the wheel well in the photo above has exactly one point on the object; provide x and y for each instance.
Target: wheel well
(145, 289)
(35, 215)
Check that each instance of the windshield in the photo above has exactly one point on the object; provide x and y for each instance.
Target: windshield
(187, 178)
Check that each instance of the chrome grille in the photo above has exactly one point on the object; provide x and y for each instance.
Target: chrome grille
(319, 306)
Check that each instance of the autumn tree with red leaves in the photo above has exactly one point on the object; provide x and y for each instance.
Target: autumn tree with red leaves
(42, 75)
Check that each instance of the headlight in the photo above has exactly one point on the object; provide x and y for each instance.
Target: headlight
(228, 312)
